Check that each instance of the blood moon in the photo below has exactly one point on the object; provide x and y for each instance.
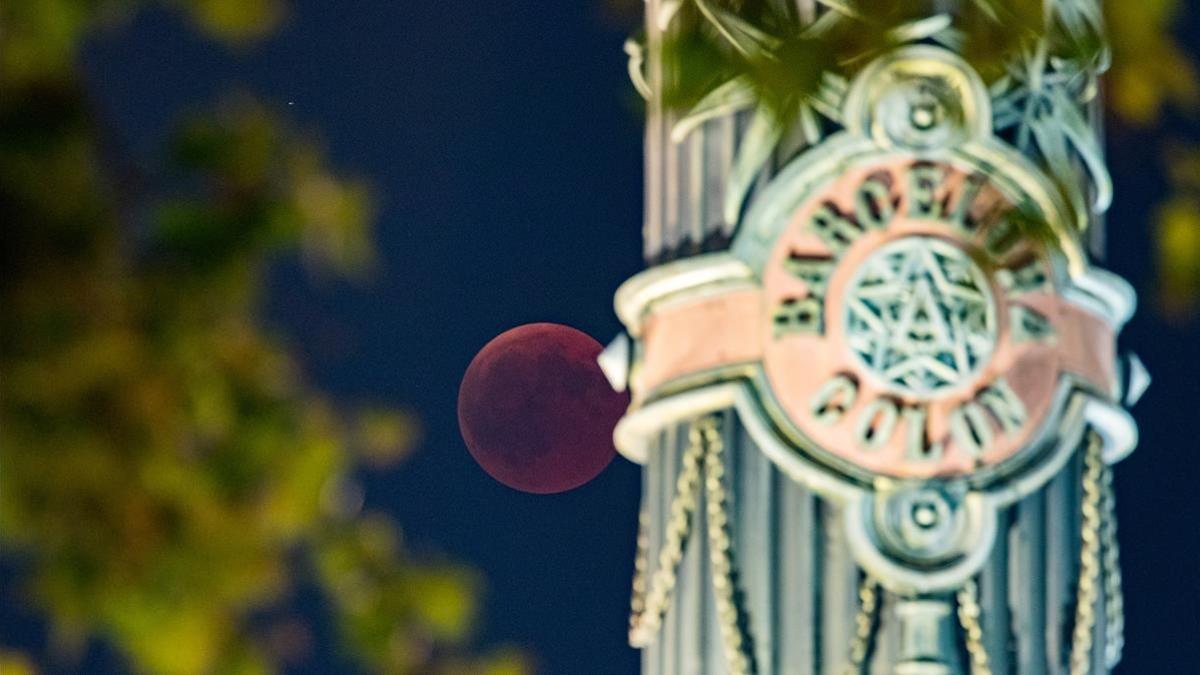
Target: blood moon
(536, 411)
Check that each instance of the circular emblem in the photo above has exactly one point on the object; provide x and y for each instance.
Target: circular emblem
(914, 326)
(905, 302)
(919, 315)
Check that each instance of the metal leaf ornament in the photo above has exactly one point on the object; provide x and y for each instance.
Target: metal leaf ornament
(1041, 97)
(792, 75)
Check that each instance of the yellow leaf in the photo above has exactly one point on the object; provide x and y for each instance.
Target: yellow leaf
(14, 663)
(237, 20)
(1178, 252)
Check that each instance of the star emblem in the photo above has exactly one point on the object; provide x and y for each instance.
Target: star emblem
(919, 314)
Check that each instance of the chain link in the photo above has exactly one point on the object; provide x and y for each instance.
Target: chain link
(1099, 562)
(1099, 555)
(1089, 559)
(651, 600)
(720, 549)
(865, 620)
(1114, 598)
(641, 561)
(969, 614)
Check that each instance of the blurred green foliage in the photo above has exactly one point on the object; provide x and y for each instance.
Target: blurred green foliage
(1153, 77)
(1177, 235)
(1151, 70)
(768, 43)
(168, 477)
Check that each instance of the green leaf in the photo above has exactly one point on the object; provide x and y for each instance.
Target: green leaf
(732, 96)
(755, 150)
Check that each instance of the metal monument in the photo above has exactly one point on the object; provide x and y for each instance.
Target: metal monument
(874, 367)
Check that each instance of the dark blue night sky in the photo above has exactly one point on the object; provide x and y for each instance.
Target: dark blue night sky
(504, 144)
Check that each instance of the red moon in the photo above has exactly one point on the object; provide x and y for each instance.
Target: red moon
(536, 411)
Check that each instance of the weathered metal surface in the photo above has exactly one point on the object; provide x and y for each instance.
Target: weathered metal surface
(796, 577)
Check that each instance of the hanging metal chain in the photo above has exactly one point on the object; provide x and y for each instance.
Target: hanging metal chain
(641, 564)
(1114, 598)
(1089, 559)
(865, 621)
(649, 602)
(1098, 556)
(969, 615)
(733, 642)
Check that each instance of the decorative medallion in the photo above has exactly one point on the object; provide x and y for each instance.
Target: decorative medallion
(912, 332)
(905, 322)
(919, 315)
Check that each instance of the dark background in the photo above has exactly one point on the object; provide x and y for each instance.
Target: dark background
(504, 144)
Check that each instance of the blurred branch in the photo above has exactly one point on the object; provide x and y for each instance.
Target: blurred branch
(168, 475)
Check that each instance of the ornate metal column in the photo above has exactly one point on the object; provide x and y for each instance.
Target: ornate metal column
(876, 388)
